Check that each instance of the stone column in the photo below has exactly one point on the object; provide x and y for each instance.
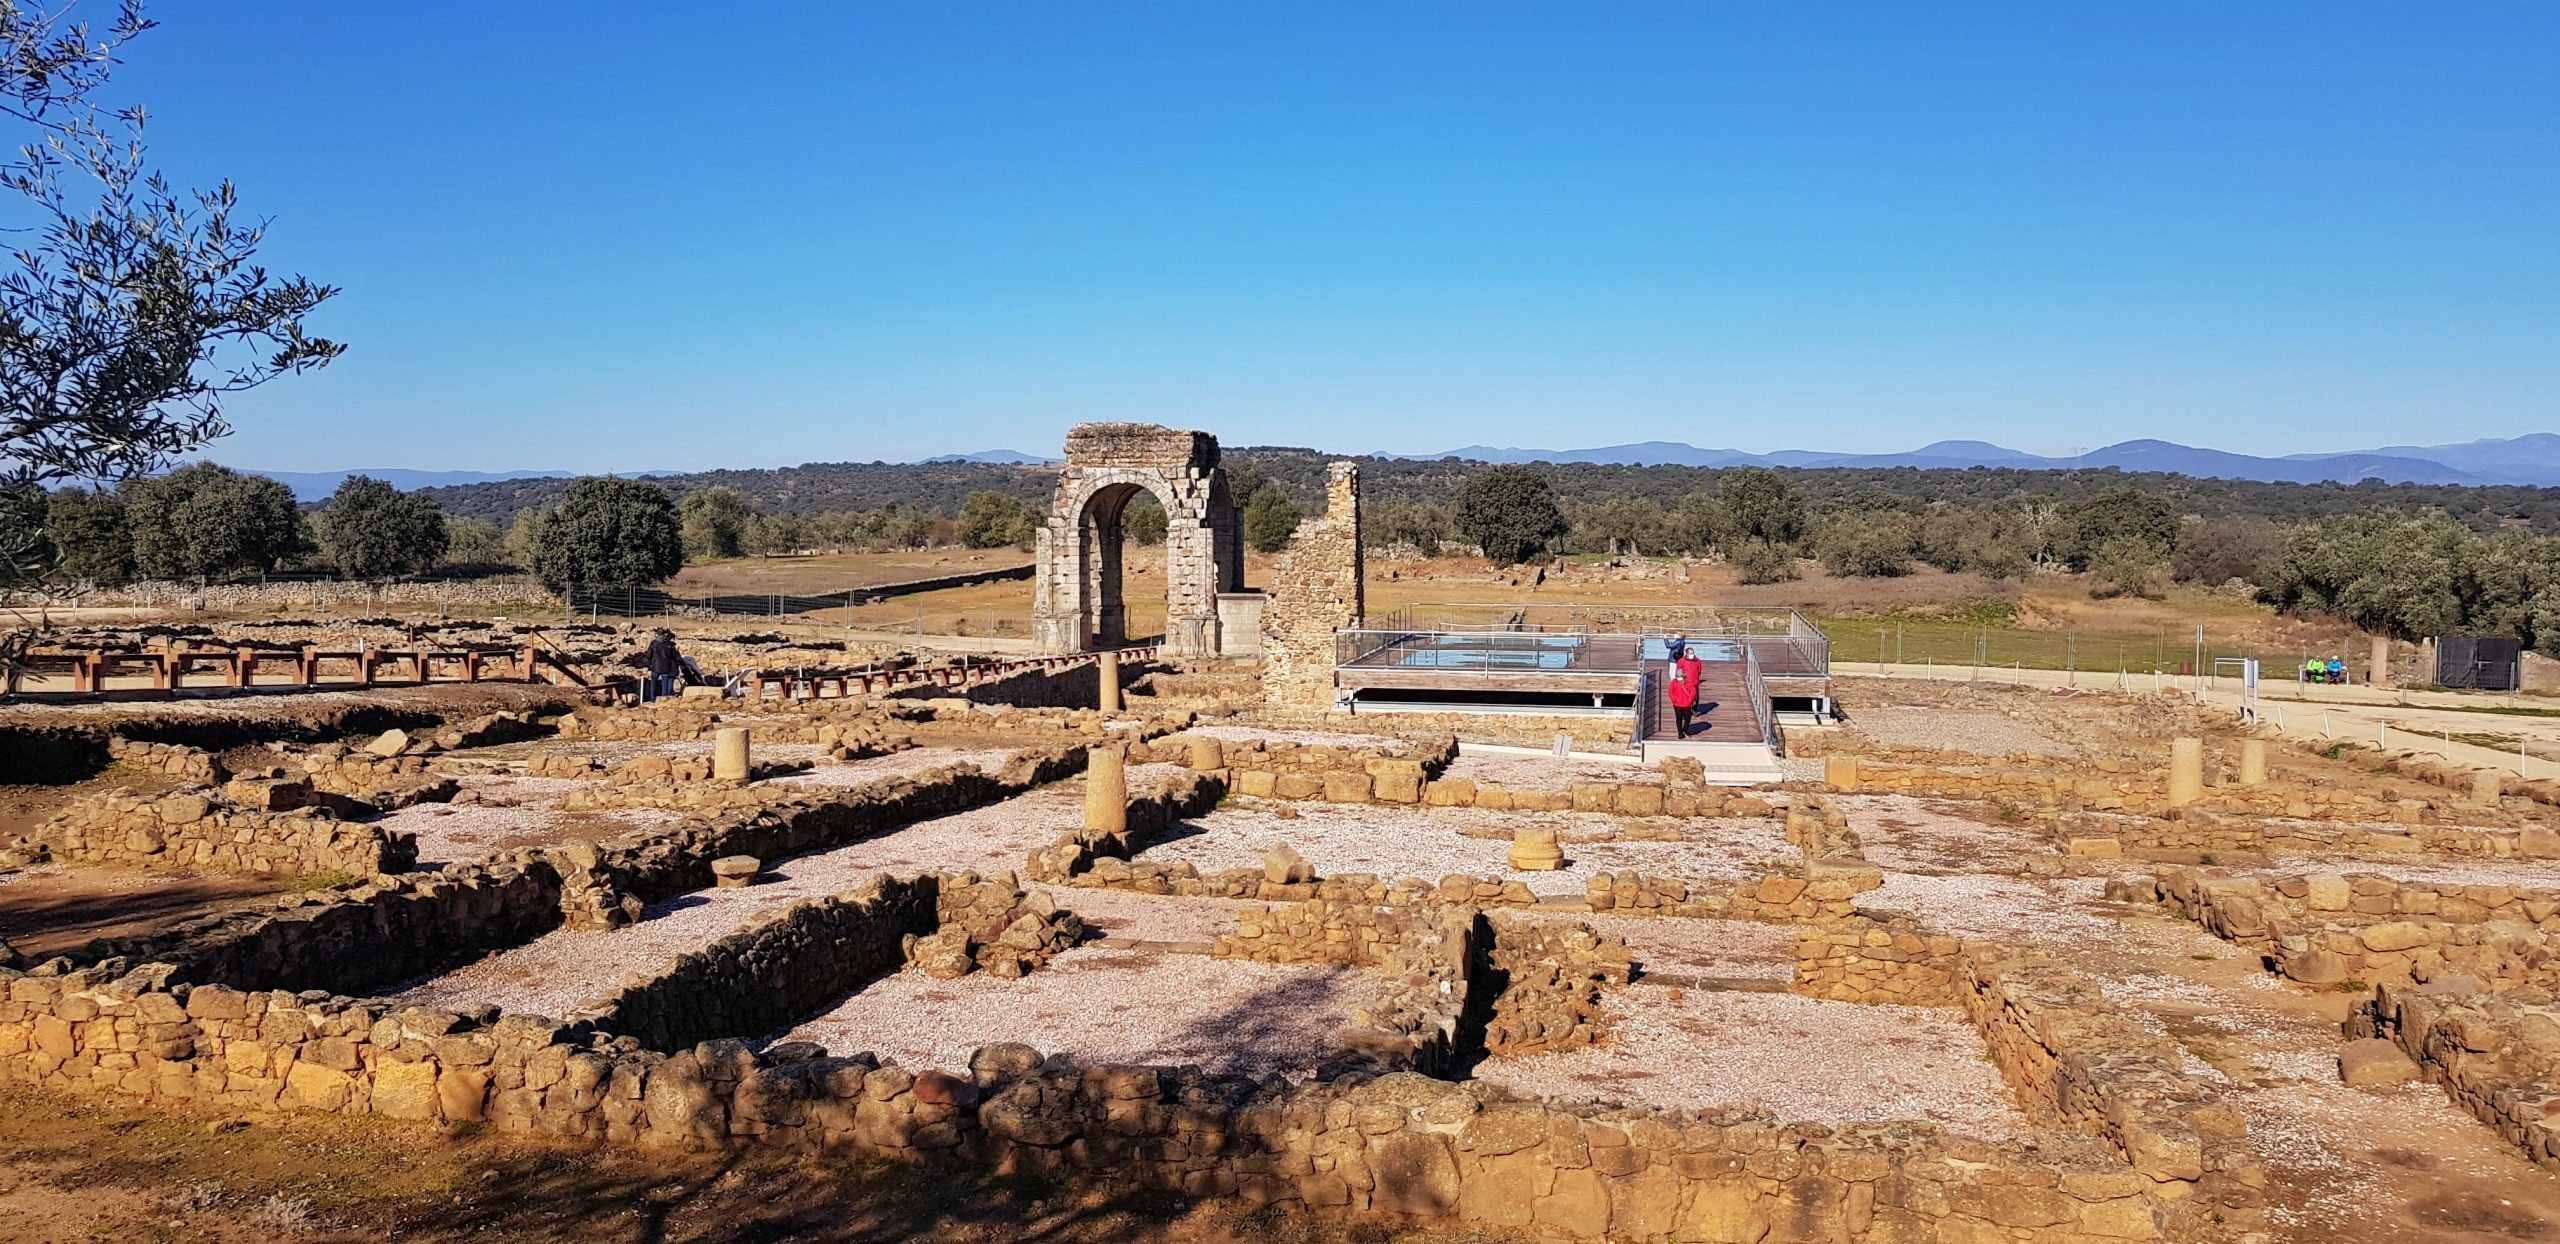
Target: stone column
(1107, 666)
(2186, 772)
(729, 755)
(1207, 753)
(2253, 762)
(2378, 668)
(1106, 788)
(2486, 786)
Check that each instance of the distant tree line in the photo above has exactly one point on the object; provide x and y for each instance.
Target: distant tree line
(2385, 564)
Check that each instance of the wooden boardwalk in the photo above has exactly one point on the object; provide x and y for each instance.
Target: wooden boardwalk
(1724, 705)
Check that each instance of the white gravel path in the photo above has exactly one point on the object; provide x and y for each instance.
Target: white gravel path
(1802, 1059)
(1912, 834)
(1728, 948)
(1983, 732)
(1537, 772)
(1426, 842)
(1107, 1006)
(1312, 738)
(896, 764)
(567, 969)
(451, 834)
(1151, 917)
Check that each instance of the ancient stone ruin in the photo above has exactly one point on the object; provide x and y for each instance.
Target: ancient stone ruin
(1076, 601)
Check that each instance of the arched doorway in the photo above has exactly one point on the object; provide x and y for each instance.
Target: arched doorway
(1078, 603)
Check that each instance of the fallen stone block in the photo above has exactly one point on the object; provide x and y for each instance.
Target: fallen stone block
(2375, 1063)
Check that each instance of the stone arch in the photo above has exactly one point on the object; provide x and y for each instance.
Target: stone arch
(1077, 603)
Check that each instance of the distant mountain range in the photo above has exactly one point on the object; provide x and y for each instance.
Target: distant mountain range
(2529, 459)
(1000, 457)
(317, 485)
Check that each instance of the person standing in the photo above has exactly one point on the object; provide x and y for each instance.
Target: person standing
(666, 665)
(1683, 687)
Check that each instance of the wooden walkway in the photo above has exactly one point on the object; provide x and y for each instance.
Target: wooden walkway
(1724, 705)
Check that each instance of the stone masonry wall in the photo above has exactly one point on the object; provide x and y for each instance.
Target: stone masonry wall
(194, 829)
(2496, 1057)
(1316, 590)
(776, 971)
(2324, 928)
(2071, 1055)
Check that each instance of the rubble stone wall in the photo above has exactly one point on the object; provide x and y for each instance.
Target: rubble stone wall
(354, 940)
(2496, 1057)
(1317, 587)
(1394, 1147)
(2070, 1054)
(196, 829)
(192, 765)
(777, 971)
(1088, 857)
(2325, 928)
(651, 864)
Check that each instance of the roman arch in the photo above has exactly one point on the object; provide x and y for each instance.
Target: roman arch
(1076, 605)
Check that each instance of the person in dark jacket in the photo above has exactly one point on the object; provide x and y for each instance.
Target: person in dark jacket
(665, 664)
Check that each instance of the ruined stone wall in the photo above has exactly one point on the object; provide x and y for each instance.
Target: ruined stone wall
(652, 864)
(776, 971)
(359, 939)
(788, 965)
(2496, 1057)
(2325, 928)
(194, 829)
(1607, 734)
(192, 765)
(1075, 687)
(1393, 1146)
(1550, 974)
(1316, 590)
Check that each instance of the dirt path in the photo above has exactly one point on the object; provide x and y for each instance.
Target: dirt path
(53, 908)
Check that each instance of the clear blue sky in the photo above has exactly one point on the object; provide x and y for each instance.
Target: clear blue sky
(632, 236)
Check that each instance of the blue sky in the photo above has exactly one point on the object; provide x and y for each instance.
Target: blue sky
(636, 235)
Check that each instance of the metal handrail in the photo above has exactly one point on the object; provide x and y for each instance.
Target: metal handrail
(1759, 693)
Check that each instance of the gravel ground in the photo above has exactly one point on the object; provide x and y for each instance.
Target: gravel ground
(1107, 1006)
(895, 764)
(531, 792)
(1729, 948)
(1149, 917)
(2344, 1161)
(566, 969)
(1802, 1059)
(1981, 731)
(1320, 738)
(458, 833)
(1425, 842)
(1916, 835)
(1538, 772)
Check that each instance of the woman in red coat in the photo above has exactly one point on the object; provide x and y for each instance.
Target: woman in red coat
(1685, 671)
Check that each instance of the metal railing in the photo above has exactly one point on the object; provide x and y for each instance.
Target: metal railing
(1759, 693)
(1468, 617)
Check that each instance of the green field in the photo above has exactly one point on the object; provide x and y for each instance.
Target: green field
(1949, 642)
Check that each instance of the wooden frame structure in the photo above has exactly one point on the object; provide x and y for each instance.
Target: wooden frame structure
(97, 672)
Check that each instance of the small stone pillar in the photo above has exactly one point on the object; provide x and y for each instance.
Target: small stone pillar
(2378, 668)
(1106, 788)
(2486, 786)
(2253, 762)
(2186, 771)
(729, 755)
(1108, 663)
(1207, 753)
(1535, 850)
(1840, 772)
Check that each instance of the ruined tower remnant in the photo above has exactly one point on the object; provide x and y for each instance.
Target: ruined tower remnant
(1316, 590)
(1076, 603)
